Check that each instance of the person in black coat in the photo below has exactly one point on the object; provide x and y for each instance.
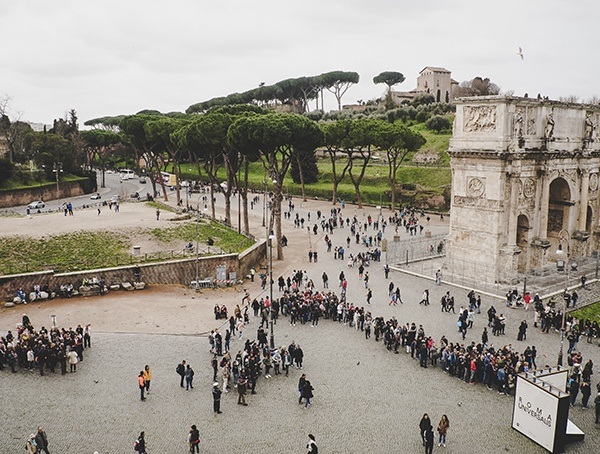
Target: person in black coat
(301, 384)
(425, 425)
(429, 441)
(41, 441)
(216, 394)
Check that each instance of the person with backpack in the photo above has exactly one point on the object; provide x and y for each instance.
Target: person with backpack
(180, 369)
(140, 444)
(31, 445)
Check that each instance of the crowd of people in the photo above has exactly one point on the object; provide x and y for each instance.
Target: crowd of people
(42, 349)
(493, 365)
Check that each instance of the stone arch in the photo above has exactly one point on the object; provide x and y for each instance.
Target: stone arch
(559, 210)
(522, 242)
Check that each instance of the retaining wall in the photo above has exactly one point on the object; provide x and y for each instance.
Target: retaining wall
(19, 197)
(181, 271)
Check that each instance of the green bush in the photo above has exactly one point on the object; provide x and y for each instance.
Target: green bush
(422, 116)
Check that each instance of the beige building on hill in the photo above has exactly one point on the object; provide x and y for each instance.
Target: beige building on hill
(433, 80)
(436, 81)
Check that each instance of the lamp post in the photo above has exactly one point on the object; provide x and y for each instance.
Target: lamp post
(564, 235)
(239, 194)
(270, 242)
(264, 202)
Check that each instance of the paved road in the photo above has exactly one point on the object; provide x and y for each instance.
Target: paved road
(114, 187)
(366, 400)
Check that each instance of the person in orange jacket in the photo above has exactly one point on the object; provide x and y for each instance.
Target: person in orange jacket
(147, 377)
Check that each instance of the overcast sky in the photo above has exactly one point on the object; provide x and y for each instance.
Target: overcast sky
(119, 57)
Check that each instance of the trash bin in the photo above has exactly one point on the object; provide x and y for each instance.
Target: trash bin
(137, 250)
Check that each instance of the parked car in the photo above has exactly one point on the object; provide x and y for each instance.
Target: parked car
(96, 196)
(143, 180)
(36, 205)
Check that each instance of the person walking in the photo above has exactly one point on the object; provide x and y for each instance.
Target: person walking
(30, 445)
(141, 384)
(140, 443)
(307, 393)
(216, 394)
(442, 429)
(147, 377)
(157, 214)
(597, 406)
(181, 371)
(194, 439)
(301, 383)
(189, 377)
(41, 440)
(312, 445)
(424, 425)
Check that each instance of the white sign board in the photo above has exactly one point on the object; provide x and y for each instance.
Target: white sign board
(534, 413)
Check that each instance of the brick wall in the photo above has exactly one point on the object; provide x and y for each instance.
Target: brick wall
(169, 272)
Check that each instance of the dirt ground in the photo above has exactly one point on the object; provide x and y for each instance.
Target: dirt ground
(130, 215)
(165, 309)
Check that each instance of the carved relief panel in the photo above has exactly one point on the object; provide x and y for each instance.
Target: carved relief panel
(593, 182)
(479, 118)
(475, 187)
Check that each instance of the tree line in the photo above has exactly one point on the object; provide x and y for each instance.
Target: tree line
(232, 137)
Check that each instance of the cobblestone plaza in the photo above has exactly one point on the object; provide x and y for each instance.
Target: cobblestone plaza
(366, 398)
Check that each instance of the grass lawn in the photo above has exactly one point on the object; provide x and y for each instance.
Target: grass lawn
(375, 187)
(102, 249)
(591, 312)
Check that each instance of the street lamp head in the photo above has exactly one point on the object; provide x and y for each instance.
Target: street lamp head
(559, 251)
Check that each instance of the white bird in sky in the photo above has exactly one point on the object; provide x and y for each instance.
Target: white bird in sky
(520, 54)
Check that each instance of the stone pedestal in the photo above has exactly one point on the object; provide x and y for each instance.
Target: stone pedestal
(507, 265)
(539, 253)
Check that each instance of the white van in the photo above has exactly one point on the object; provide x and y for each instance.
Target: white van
(127, 174)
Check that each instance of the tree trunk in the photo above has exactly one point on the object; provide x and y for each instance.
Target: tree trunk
(245, 198)
(392, 178)
(177, 179)
(301, 173)
(212, 201)
(277, 196)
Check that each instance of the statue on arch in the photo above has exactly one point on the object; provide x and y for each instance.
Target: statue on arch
(590, 127)
(549, 129)
(518, 126)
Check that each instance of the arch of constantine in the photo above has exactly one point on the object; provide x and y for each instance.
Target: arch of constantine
(525, 177)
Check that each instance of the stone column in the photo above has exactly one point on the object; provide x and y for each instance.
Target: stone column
(583, 200)
(513, 209)
(543, 227)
